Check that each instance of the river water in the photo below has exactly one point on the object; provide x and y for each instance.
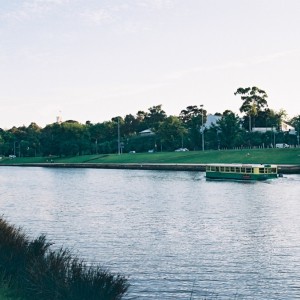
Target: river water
(173, 234)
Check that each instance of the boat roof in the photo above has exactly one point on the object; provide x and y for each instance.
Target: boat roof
(240, 165)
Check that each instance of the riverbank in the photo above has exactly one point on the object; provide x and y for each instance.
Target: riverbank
(288, 160)
(283, 169)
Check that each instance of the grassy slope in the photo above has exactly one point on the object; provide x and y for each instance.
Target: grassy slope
(275, 156)
(4, 293)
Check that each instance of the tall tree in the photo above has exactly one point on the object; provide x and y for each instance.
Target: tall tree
(229, 128)
(192, 119)
(254, 99)
(33, 140)
(188, 114)
(130, 125)
(141, 117)
(295, 121)
(296, 124)
(67, 138)
(267, 118)
(155, 116)
(171, 133)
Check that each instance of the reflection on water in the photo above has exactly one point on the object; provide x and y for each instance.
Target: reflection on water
(174, 234)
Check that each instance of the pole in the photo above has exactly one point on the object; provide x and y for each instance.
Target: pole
(298, 134)
(250, 123)
(14, 148)
(119, 145)
(202, 128)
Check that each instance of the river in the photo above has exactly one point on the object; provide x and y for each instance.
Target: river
(173, 234)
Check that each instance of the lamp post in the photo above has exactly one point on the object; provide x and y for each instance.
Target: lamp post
(119, 143)
(298, 134)
(15, 148)
(202, 129)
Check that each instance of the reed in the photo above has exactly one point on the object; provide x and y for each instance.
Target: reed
(34, 271)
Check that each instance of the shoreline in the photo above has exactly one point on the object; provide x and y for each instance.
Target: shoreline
(282, 168)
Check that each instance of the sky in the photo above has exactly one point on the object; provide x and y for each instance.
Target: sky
(92, 60)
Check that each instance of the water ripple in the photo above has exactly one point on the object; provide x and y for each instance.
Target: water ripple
(174, 234)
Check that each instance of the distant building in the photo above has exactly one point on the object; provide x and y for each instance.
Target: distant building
(59, 118)
(146, 132)
(211, 120)
(285, 127)
(262, 129)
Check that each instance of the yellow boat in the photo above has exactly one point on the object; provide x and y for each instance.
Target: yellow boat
(241, 171)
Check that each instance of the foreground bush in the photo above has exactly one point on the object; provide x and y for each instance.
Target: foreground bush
(34, 271)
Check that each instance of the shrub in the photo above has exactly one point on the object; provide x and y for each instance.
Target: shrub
(35, 271)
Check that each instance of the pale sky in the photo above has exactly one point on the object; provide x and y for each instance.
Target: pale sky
(97, 59)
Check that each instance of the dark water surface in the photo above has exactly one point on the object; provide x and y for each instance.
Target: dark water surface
(174, 234)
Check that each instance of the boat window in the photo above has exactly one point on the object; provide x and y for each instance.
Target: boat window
(237, 170)
(222, 169)
(213, 168)
(261, 170)
(248, 170)
(227, 169)
(272, 170)
(242, 170)
(217, 169)
(232, 169)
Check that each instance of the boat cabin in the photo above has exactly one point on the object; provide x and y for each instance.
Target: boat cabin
(241, 171)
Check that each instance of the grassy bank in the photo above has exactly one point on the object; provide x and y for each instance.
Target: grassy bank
(30, 270)
(271, 156)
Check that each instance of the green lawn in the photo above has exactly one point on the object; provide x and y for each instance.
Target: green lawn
(274, 156)
(4, 293)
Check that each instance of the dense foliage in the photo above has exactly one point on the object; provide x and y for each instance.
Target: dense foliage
(31, 270)
(168, 133)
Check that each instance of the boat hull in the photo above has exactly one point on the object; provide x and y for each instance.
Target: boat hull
(239, 176)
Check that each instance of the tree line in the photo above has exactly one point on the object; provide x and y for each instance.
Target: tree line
(186, 130)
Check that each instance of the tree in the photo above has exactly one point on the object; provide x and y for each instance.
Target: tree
(296, 124)
(192, 119)
(254, 99)
(140, 118)
(295, 121)
(155, 116)
(32, 145)
(188, 114)
(50, 139)
(171, 133)
(67, 138)
(130, 125)
(266, 118)
(229, 128)
(6, 142)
